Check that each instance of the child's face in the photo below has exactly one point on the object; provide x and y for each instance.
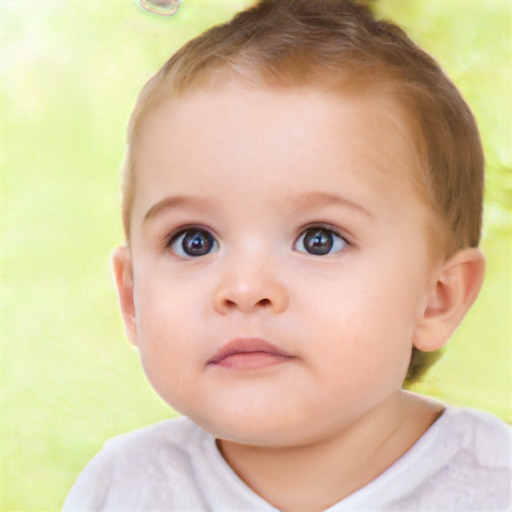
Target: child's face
(281, 259)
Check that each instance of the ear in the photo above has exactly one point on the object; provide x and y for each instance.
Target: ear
(456, 288)
(123, 273)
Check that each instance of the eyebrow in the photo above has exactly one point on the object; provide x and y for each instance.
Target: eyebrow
(175, 202)
(294, 203)
(312, 199)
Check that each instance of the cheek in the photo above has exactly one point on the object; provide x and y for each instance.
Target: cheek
(163, 305)
(364, 322)
(164, 338)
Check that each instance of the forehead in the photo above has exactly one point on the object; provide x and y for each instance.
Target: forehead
(226, 135)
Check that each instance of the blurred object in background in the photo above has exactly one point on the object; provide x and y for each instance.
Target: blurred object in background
(161, 7)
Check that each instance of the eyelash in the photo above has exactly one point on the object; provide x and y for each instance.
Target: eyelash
(175, 236)
(183, 231)
(326, 228)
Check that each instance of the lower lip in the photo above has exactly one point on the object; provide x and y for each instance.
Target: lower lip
(251, 361)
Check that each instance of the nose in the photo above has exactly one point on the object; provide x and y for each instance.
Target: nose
(250, 288)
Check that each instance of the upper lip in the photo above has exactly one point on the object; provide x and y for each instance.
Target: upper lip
(246, 345)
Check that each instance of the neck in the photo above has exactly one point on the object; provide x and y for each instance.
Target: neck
(318, 475)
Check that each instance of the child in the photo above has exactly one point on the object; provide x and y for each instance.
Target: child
(302, 207)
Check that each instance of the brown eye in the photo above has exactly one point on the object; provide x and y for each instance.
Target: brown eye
(193, 242)
(320, 241)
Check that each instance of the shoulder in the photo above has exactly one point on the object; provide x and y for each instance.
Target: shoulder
(169, 434)
(487, 437)
(461, 463)
(150, 449)
(465, 463)
(147, 458)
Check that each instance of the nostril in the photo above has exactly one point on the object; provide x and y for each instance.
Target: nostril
(246, 305)
(230, 304)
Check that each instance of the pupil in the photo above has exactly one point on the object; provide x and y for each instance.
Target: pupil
(197, 243)
(318, 241)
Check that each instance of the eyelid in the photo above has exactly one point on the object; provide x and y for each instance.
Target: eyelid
(336, 232)
(180, 230)
(175, 233)
(326, 225)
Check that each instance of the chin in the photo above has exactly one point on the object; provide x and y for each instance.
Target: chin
(268, 430)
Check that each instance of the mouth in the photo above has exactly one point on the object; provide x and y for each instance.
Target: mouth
(249, 354)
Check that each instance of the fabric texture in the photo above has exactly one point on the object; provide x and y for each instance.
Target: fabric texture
(462, 463)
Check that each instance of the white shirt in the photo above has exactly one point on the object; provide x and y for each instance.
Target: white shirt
(462, 463)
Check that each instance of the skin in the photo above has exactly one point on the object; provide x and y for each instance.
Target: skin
(256, 168)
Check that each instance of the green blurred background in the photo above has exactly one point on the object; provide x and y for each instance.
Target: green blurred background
(70, 72)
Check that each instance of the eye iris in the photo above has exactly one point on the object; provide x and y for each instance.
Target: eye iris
(318, 241)
(197, 243)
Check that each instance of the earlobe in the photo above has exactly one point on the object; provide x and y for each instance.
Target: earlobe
(123, 274)
(456, 288)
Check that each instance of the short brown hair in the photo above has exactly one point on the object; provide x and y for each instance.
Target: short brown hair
(339, 42)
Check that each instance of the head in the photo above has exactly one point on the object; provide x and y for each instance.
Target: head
(271, 76)
(338, 44)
